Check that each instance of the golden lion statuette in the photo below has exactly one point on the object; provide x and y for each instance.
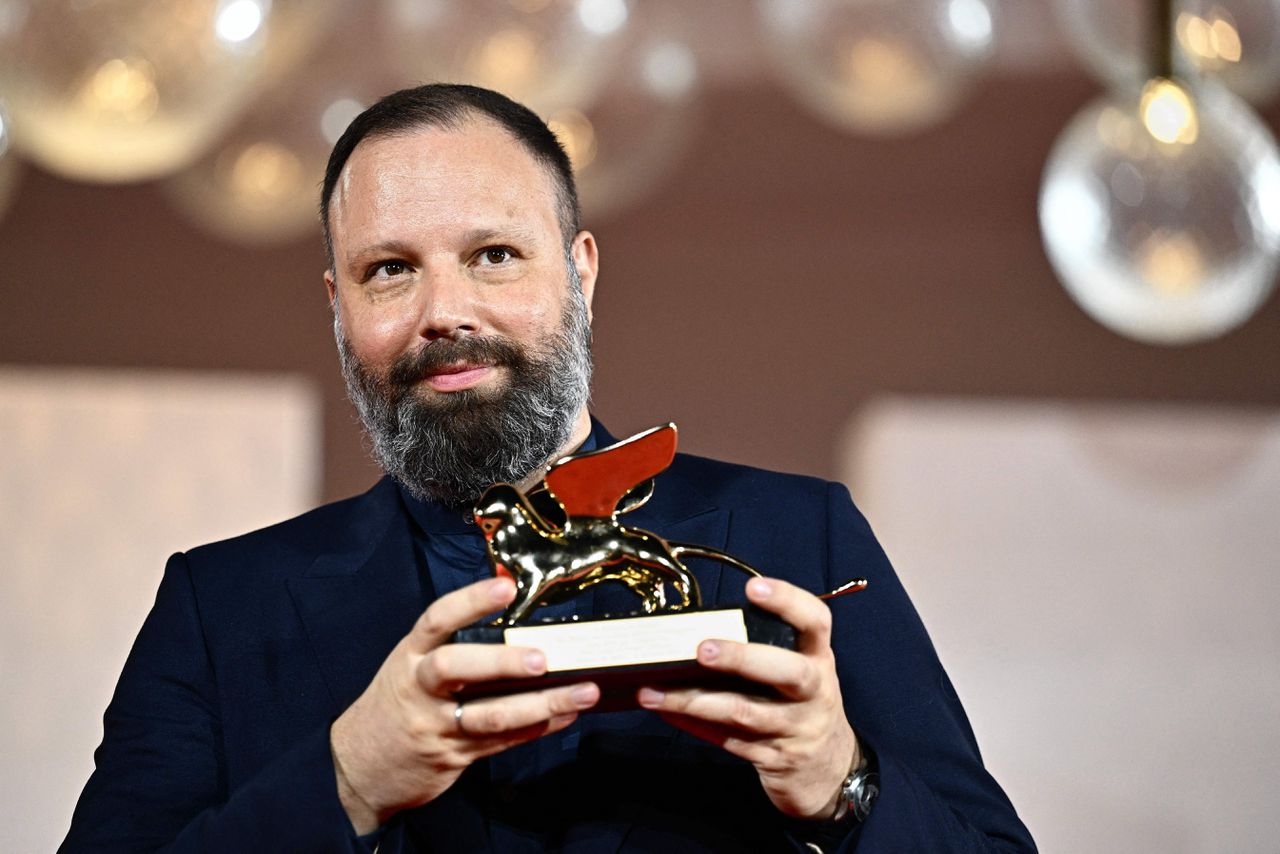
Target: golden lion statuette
(564, 537)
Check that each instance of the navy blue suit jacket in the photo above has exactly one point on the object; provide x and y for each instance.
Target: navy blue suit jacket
(217, 736)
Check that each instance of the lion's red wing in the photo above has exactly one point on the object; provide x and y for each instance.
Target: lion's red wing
(593, 484)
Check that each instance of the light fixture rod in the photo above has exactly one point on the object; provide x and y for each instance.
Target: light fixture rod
(1164, 38)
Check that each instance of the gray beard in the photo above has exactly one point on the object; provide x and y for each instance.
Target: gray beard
(451, 449)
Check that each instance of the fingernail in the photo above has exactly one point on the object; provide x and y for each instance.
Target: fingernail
(564, 720)
(761, 588)
(650, 698)
(584, 696)
(710, 650)
(534, 661)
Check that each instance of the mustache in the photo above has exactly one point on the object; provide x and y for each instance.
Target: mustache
(434, 357)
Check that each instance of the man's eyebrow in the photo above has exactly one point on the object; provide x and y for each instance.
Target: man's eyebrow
(385, 247)
(507, 232)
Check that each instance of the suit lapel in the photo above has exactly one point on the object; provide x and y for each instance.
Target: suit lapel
(357, 603)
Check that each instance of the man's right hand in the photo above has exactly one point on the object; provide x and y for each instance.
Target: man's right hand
(400, 744)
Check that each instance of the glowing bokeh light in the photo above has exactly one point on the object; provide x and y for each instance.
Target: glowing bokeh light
(1168, 113)
(336, 117)
(238, 20)
(602, 16)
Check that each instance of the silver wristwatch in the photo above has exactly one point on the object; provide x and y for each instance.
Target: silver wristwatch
(858, 792)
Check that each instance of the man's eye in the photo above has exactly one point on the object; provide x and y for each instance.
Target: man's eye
(389, 270)
(496, 255)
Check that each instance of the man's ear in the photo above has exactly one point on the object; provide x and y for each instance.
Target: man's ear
(586, 257)
(331, 286)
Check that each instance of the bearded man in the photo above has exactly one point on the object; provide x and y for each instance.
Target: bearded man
(294, 689)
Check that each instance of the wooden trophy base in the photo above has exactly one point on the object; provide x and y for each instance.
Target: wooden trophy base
(620, 654)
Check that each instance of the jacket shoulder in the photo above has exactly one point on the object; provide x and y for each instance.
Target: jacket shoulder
(339, 526)
(750, 483)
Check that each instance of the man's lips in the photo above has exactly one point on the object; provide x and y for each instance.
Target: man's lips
(457, 377)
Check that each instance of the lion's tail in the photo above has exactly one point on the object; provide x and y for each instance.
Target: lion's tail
(678, 549)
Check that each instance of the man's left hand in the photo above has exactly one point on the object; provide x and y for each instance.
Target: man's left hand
(799, 740)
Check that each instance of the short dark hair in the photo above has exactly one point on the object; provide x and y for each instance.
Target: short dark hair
(449, 105)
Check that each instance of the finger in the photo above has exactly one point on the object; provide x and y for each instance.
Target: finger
(460, 608)
(449, 667)
(791, 674)
(809, 614)
(515, 712)
(753, 748)
(489, 745)
(757, 716)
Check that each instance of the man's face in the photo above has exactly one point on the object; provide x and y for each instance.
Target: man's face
(463, 335)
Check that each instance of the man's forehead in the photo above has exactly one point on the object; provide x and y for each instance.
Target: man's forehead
(474, 149)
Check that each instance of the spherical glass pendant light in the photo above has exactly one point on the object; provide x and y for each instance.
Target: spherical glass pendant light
(129, 89)
(546, 54)
(879, 66)
(260, 183)
(622, 145)
(1160, 211)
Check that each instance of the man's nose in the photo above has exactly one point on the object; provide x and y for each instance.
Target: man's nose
(450, 304)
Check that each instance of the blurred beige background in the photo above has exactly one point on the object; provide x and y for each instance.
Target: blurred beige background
(105, 474)
(874, 310)
(1099, 580)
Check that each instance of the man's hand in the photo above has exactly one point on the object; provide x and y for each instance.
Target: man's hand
(401, 743)
(798, 740)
